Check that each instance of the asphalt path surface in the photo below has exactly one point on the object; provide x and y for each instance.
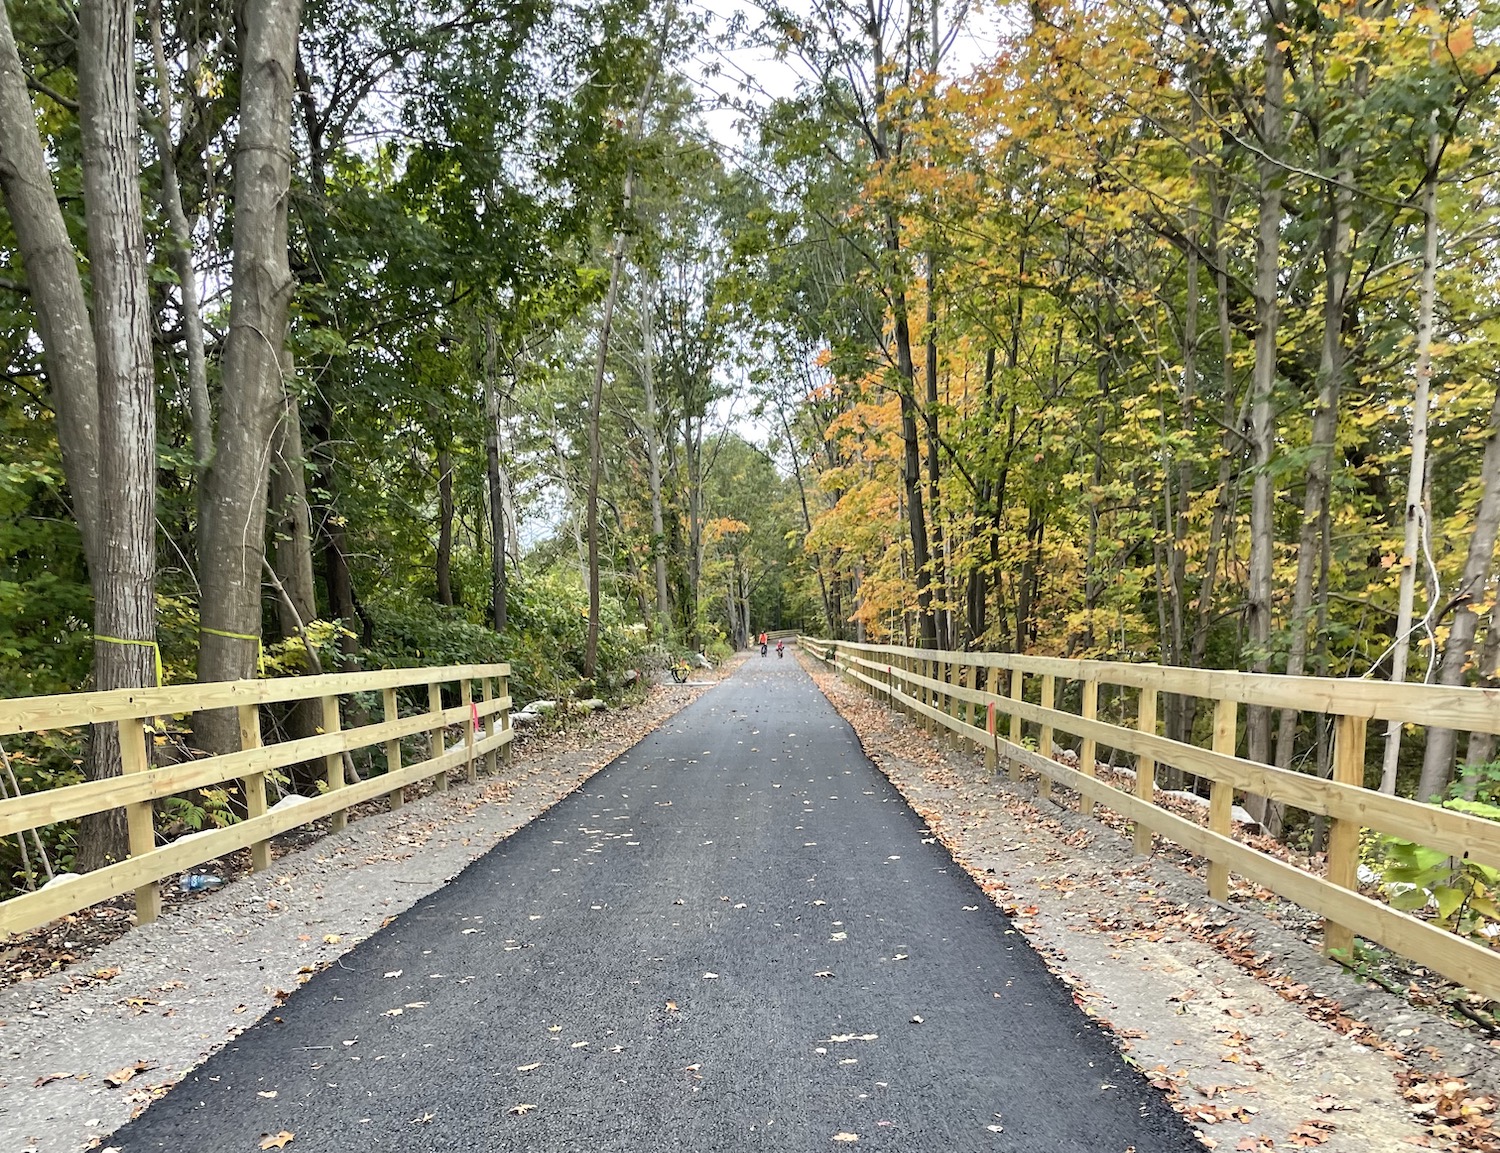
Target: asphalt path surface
(737, 936)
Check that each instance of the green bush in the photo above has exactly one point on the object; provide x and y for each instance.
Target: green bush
(1462, 893)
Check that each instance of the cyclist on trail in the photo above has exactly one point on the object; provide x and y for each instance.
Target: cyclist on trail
(762, 643)
(781, 648)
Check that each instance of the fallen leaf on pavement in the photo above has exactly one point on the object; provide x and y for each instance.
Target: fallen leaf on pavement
(120, 1076)
(278, 1141)
(520, 1110)
(48, 1078)
(846, 1138)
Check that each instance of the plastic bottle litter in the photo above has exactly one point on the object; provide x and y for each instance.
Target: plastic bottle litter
(197, 882)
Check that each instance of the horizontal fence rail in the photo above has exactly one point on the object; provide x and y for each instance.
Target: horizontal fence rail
(968, 693)
(486, 735)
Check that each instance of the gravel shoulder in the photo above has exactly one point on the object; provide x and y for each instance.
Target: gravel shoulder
(1261, 1042)
(85, 1048)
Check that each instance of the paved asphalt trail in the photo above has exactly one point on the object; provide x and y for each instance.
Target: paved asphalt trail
(571, 971)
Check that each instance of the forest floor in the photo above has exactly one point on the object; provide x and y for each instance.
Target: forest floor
(98, 1017)
(1260, 1041)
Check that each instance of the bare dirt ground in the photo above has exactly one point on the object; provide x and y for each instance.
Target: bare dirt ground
(1260, 1042)
(99, 1018)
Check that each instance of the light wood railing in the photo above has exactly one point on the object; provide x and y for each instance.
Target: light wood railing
(486, 733)
(968, 694)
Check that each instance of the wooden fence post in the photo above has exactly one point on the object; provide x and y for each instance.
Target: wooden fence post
(948, 703)
(140, 816)
(396, 797)
(1343, 834)
(1087, 750)
(334, 762)
(969, 678)
(1017, 687)
(502, 690)
(435, 734)
(1044, 741)
(1145, 767)
(487, 693)
(1221, 794)
(254, 785)
(466, 699)
(992, 716)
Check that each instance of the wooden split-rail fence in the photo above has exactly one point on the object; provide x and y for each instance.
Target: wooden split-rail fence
(968, 694)
(483, 720)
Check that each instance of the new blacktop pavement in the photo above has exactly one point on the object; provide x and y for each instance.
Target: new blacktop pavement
(737, 936)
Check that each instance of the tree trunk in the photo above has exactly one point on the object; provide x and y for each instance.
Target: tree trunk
(653, 457)
(1259, 591)
(911, 467)
(596, 396)
(232, 531)
(1437, 759)
(56, 289)
(1481, 749)
(443, 566)
(596, 406)
(328, 529)
(123, 578)
(939, 594)
(291, 526)
(1325, 426)
(498, 591)
(1235, 412)
(693, 454)
(1416, 482)
(181, 250)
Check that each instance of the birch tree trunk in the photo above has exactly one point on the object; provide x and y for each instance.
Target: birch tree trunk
(123, 574)
(1416, 481)
(232, 527)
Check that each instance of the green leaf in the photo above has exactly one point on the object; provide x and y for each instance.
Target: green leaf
(1409, 900)
(1448, 900)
